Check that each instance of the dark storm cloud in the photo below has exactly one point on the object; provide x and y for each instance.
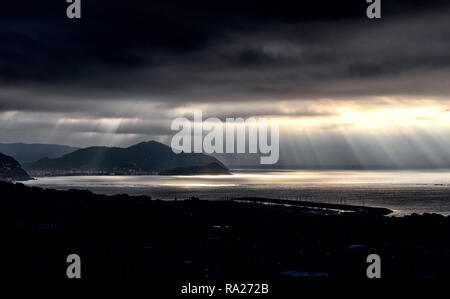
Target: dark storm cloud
(127, 68)
(220, 50)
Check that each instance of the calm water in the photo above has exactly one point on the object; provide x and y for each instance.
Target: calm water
(404, 192)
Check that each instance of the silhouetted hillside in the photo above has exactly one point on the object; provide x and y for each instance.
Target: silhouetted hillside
(144, 157)
(139, 238)
(210, 169)
(26, 153)
(10, 169)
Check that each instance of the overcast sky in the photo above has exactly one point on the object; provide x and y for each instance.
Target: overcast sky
(354, 91)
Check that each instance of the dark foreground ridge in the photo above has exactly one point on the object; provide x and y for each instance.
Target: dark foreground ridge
(136, 237)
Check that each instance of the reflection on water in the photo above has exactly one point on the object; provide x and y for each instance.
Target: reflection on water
(403, 191)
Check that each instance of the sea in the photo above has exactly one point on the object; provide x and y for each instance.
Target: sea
(404, 192)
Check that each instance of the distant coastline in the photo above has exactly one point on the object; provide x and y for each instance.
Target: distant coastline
(210, 169)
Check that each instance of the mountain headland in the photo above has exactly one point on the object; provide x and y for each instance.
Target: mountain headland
(143, 158)
(10, 169)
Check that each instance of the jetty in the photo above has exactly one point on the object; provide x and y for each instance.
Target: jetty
(373, 211)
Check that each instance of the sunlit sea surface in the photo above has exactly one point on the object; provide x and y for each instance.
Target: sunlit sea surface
(405, 192)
